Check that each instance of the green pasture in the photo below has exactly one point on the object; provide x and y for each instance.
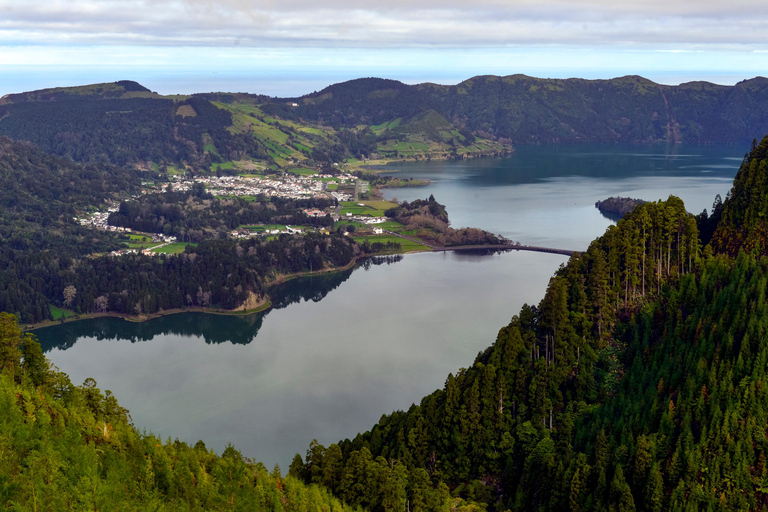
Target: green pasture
(140, 241)
(303, 172)
(174, 248)
(406, 245)
(372, 208)
(57, 313)
(389, 125)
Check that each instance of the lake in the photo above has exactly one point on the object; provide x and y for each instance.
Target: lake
(545, 195)
(339, 351)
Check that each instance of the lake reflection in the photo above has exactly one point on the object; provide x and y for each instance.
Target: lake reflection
(332, 363)
(236, 329)
(327, 367)
(545, 195)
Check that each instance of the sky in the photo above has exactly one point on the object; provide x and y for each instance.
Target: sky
(294, 47)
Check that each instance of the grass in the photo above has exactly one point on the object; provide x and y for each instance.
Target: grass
(223, 165)
(372, 208)
(174, 248)
(391, 226)
(354, 209)
(303, 172)
(389, 125)
(140, 241)
(57, 313)
(332, 186)
(379, 205)
(142, 245)
(186, 111)
(406, 245)
(405, 148)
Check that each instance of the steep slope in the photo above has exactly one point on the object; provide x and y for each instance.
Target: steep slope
(744, 223)
(126, 124)
(636, 384)
(366, 101)
(67, 447)
(528, 110)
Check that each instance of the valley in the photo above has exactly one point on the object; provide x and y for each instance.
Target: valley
(625, 376)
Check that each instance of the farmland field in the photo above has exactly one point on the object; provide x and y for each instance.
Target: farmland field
(406, 245)
(174, 248)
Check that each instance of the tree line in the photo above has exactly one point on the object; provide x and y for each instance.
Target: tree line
(195, 215)
(70, 447)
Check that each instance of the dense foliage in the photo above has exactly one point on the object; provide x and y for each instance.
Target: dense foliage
(367, 101)
(126, 130)
(405, 212)
(636, 384)
(617, 206)
(497, 431)
(48, 259)
(67, 447)
(40, 194)
(429, 220)
(216, 273)
(525, 110)
(744, 211)
(196, 215)
(124, 123)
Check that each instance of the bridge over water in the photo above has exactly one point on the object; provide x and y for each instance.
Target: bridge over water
(501, 247)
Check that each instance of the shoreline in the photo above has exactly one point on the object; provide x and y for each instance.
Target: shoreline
(263, 305)
(266, 302)
(388, 161)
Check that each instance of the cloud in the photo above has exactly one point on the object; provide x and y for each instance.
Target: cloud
(393, 24)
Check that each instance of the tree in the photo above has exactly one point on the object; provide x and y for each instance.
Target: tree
(69, 295)
(34, 363)
(10, 339)
(100, 303)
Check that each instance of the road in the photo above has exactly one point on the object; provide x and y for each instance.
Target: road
(502, 247)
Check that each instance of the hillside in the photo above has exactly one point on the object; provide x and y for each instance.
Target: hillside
(744, 225)
(124, 123)
(636, 384)
(68, 447)
(527, 110)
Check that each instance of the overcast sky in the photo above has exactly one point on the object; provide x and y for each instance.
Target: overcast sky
(291, 47)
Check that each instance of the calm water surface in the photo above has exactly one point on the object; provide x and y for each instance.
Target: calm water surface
(326, 367)
(339, 351)
(545, 195)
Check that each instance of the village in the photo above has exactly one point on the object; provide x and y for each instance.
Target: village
(284, 186)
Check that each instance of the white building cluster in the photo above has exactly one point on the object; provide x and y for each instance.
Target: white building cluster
(288, 185)
(99, 220)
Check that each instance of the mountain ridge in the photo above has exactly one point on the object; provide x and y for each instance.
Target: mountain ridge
(367, 118)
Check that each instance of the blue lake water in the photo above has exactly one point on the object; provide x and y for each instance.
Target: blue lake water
(339, 351)
(545, 195)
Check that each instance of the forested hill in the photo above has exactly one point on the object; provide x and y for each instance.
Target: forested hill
(528, 110)
(40, 194)
(125, 123)
(636, 384)
(744, 223)
(68, 447)
(122, 123)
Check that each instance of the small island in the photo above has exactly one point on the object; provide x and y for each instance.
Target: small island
(616, 207)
